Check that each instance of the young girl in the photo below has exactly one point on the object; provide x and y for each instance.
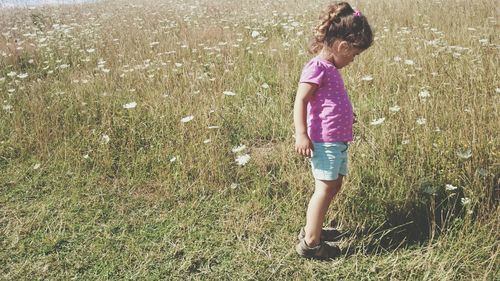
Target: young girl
(343, 33)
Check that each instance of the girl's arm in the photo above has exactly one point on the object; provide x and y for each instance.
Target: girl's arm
(303, 144)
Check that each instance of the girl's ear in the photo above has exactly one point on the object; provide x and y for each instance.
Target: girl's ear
(344, 47)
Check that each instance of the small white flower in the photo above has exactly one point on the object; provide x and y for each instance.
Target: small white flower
(409, 62)
(229, 93)
(7, 107)
(187, 119)
(240, 148)
(234, 185)
(255, 34)
(397, 59)
(105, 138)
(130, 105)
(465, 201)
(90, 50)
(86, 156)
(483, 172)
(424, 94)
(395, 108)
(421, 121)
(173, 159)
(22, 75)
(367, 78)
(63, 66)
(207, 141)
(242, 160)
(465, 154)
(265, 86)
(377, 121)
(497, 90)
(450, 187)
(36, 166)
(178, 64)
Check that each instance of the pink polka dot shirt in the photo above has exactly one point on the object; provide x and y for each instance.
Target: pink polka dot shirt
(329, 112)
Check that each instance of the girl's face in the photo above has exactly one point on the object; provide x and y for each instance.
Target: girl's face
(343, 53)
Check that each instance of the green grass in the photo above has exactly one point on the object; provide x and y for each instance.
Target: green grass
(92, 190)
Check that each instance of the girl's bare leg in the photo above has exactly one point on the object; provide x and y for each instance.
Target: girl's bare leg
(324, 192)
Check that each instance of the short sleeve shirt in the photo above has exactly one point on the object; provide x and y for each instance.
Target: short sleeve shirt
(329, 112)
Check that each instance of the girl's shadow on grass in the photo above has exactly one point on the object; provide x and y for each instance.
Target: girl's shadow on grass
(404, 227)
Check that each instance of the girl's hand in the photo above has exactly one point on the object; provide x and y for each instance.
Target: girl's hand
(303, 145)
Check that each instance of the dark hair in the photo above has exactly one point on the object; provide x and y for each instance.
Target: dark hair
(341, 21)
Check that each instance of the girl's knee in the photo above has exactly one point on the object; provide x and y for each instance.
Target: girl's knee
(328, 187)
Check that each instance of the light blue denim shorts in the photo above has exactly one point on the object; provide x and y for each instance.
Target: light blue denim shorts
(329, 160)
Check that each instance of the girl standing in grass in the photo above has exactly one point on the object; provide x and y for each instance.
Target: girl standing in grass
(323, 116)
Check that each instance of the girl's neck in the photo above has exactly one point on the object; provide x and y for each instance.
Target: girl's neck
(326, 55)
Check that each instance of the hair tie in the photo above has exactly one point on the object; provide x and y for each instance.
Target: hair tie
(356, 13)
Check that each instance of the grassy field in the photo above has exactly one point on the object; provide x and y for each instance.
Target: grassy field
(124, 130)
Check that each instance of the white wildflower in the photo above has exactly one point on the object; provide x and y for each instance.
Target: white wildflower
(22, 75)
(482, 171)
(367, 78)
(207, 141)
(229, 93)
(130, 105)
(7, 108)
(421, 121)
(409, 62)
(234, 185)
(255, 34)
(450, 187)
(395, 108)
(242, 160)
(105, 139)
(91, 50)
(424, 94)
(265, 86)
(240, 148)
(465, 154)
(187, 119)
(497, 90)
(173, 159)
(377, 121)
(36, 166)
(397, 59)
(12, 74)
(465, 201)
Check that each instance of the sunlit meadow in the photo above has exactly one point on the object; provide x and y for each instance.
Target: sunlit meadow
(155, 141)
